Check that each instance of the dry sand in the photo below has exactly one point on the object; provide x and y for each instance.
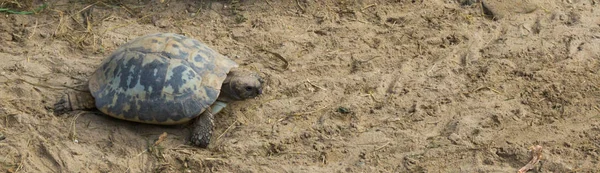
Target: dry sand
(370, 86)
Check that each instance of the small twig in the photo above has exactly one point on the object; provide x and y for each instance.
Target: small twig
(161, 138)
(20, 164)
(224, 132)
(536, 156)
(300, 6)
(370, 94)
(60, 22)
(596, 107)
(368, 6)
(303, 113)
(431, 69)
(184, 149)
(482, 8)
(489, 88)
(269, 3)
(127, 9)
(73, 127)
(306, 113)
(85, 23)
(34, 28)
(307, 80)
(287, 64)
(381, 147)
(294, 152)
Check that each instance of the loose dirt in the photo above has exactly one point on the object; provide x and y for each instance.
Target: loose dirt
(366, 86)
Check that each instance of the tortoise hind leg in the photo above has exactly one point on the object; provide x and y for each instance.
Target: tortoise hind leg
(74, 100)
(203, 125)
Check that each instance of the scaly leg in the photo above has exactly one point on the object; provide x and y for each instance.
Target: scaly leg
(203, 125)
(74, 100)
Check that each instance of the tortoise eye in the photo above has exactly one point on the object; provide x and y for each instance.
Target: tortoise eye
(249, 88)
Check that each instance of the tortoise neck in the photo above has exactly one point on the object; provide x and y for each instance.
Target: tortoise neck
(227, 91)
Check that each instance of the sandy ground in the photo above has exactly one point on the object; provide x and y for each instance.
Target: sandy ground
(369, 86)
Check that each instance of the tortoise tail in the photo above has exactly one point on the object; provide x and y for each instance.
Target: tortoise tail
(74, 100)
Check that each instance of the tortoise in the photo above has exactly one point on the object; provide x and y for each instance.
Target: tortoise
(164, 79)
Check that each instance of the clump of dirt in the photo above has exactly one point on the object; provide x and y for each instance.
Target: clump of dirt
(351, 86)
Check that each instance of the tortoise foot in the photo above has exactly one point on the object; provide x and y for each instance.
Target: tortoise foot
(200, 140)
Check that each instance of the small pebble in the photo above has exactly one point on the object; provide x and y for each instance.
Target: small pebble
(488, 161)
(455, 138)
(2, 137)
(360, 163)
(468, 2)
(499, 9)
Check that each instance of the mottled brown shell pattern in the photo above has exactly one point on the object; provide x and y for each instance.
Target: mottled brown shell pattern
(162, 78)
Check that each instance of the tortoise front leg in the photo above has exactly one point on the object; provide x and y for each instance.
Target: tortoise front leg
(203, 125)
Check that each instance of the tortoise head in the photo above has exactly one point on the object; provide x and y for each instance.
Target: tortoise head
(241, 85)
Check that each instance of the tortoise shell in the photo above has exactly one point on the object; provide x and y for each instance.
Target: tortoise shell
(161, 78)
